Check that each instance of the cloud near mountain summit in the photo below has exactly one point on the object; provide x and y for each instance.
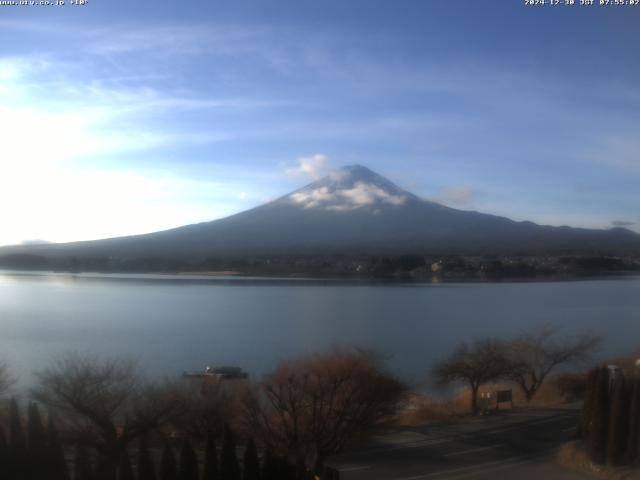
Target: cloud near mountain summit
(312, 167)
(362, 194)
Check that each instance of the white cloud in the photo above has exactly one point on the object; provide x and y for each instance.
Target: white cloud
(366, 194)
(313, 198)
(58, 142)
(312, 167)
(360, 195)
(58, 122)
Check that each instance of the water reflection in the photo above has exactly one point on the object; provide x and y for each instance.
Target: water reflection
(173, 324)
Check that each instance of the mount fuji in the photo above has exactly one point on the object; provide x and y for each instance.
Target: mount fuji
(352, 211)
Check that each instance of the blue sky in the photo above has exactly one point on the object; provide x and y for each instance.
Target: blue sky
(127, 117)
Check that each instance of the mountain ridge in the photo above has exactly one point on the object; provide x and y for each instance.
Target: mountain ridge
(351, 211)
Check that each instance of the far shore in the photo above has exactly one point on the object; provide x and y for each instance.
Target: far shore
(223, 273)
(345, 279)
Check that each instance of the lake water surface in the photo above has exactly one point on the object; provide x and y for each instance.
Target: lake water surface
(171, 324)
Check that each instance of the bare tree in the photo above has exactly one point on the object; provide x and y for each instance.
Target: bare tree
(105, 402)
(207, 406)
(532, 356)
(475, 364)
(312, 407)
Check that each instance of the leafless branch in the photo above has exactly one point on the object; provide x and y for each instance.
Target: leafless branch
(314, 406)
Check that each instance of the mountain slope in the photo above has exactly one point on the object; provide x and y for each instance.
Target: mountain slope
(352, 211)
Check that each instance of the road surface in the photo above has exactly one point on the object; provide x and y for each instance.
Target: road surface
(518, 444)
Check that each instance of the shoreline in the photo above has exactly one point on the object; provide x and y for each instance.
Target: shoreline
(238, 276)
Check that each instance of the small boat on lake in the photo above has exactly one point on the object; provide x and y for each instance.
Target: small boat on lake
(223, 372)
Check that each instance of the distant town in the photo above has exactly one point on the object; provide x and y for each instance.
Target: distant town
(397, 266)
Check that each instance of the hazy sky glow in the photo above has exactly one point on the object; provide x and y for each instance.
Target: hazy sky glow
(118, 119)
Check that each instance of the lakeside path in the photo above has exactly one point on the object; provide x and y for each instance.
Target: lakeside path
(518, 444)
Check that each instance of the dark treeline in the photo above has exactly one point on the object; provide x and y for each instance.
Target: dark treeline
(383, 266)
(109, 423)
(105, 422)
(32, 451)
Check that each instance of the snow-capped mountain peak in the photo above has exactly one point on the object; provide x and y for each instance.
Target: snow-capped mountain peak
(350, 188)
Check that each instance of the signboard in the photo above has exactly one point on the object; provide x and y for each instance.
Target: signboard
(504, 396)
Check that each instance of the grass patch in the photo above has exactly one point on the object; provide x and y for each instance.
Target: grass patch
(572, 455)
(421, 409)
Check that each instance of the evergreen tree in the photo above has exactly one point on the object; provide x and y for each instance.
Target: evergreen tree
(210, 459)
(18, 462)
(82, 467)
(269, 466)
(590, 393)
(106, 468)
(125, 472)
(251, 470)
(229, 467)
(618, 423)
(56, 464)
(168, 469)
(599, 424)
(633, 441)
(4, 455)
(146, 469)
(188, 462)
(36, 443)
(300, 471)
(16, 433)
(331, 473)
(286, 471)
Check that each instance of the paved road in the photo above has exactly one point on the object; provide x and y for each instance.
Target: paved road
(513, 445)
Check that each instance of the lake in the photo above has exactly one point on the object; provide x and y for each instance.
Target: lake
(172, 323)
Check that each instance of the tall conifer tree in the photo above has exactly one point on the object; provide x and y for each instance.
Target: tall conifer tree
(269, 466)
(4, 455)
(168, 468)
(36, 442)
(56, 461)
(590, 393)
(631, 455)
(286, 471)
(125, 472)
(82, 465)
(599, 424)
(106, 468)
(188, 462)
(146, 468)
(229, 467)
(17, 464)
(619, 421)
(251, 464)
(210, 459)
